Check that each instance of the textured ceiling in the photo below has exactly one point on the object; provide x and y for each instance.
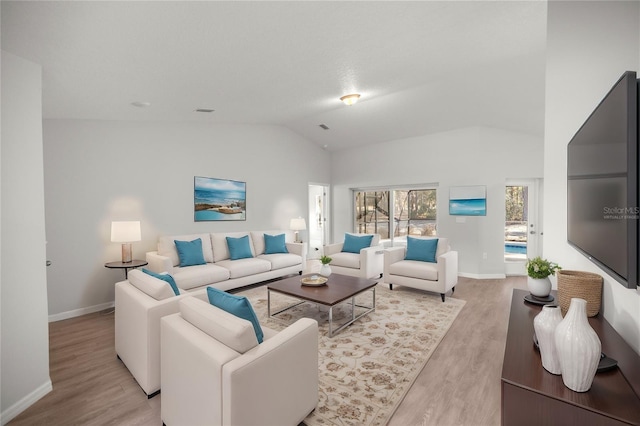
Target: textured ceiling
(421, 67)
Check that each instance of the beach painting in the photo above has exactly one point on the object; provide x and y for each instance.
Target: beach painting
(468, 200)
(219, 199)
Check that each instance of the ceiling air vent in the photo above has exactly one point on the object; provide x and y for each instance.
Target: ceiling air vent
(324, 126)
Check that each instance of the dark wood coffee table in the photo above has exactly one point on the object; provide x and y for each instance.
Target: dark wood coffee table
(338, 289)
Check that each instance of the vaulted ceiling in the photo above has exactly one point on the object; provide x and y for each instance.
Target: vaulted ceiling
(420, 67)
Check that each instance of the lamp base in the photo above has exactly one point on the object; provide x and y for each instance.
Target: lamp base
(295, 238)
(126, 253)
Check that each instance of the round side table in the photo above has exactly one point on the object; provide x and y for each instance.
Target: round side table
(126, 266)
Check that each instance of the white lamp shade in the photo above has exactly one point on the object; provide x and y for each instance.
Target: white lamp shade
(126, 231)
(298, 224)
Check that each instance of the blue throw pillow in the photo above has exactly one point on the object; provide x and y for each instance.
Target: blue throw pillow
(353, 243)
(274, 244)
(190, 252)
(164, 277)
(421, 249)
(236, 305)
(239, 248)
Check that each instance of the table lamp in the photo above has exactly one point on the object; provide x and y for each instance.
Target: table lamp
(125, 232)
(297, 224)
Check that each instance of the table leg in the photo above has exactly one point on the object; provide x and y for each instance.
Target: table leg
(268, 303)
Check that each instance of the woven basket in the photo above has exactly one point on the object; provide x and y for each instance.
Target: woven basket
(584, 285)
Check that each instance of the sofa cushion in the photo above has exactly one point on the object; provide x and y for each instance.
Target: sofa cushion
(239, 248)
(152, 286)
(167, 246)
(422, 249)
(355, 243)
(274, 244)
(199, 275)
(219, 243)
(281, 260)
(236, 305)
(228, 329)
(346, 260)
(415, 269)
(166, 278)
(190, 252)
(257, 239)
(243, 267)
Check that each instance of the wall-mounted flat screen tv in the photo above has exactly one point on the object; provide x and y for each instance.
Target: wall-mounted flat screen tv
(602, 184)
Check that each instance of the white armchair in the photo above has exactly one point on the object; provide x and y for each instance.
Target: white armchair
(214, 372)
(439, 277)
(368, 263)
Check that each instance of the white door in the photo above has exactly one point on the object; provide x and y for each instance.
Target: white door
(318, 221)
(523, 225)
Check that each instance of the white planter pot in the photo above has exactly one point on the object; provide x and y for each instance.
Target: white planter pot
(545, 324)
(325, 270)
(540, 287)
(578, 347)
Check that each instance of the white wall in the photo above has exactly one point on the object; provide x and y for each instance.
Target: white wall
(471, 156)
(590, 45)
(25, 332)
(100, 171)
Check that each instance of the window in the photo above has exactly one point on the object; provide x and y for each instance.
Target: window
(414, 212)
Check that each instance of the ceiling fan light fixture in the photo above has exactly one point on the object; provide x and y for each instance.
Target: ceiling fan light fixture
(350, 99)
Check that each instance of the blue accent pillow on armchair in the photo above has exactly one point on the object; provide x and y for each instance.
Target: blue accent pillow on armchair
(274, 244)
(190, 252)
(239, 248)
(236, 305)
(353, 243)
(421, 249)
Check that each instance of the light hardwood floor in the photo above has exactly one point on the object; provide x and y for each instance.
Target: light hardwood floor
(460, 385)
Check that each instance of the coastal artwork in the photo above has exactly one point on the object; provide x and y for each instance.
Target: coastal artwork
(468, 200)
(219, 199)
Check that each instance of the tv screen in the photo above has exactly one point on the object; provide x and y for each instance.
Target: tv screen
(602, 184)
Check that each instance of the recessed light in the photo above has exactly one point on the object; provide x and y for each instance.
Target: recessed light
(141, 104)
(350, 99)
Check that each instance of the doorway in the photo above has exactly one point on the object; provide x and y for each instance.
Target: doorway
(318, 220)
(523, 225)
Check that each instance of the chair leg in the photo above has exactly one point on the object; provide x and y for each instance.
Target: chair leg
(453, 289)
(380, 275)
(442, 296)
(390, 286)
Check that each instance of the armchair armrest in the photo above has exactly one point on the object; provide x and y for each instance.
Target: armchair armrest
(330, 249)
(287, 365)
(371, 261)
(448, 269)
(159, 263)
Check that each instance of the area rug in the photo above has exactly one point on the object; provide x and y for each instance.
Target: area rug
(366, 370)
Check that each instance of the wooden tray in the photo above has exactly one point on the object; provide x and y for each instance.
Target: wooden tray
(314, 282)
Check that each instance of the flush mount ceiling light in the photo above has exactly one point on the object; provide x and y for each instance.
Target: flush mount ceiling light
(141, 104)
(350, 99)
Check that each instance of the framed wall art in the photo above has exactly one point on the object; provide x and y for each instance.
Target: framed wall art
(219, 199)
(468, 200)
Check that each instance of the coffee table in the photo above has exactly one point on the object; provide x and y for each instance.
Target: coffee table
(337, 289)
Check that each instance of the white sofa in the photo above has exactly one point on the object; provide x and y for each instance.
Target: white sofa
(220, 375)
(366, 264)
(221, 272)
(439, 277)
(140, 303)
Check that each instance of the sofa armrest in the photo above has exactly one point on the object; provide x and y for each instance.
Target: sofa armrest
(448, 269)
(286, 367)
(330, 249)
(158, 263)
(298, 248)
(371, 261)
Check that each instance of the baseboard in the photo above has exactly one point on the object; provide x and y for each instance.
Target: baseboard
(482, 276)
(26, 402)
(82, 311)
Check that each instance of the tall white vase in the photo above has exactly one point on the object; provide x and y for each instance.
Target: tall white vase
(578, 347)
(545, 324)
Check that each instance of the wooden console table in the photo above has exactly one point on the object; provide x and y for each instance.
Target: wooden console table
(533, 396)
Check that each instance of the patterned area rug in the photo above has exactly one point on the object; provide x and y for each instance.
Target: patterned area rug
(366, 369)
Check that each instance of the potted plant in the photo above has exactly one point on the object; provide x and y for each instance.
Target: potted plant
(538, 271)
(325, 269)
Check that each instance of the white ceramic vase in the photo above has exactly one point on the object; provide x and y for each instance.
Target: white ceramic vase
(545, 324)
(539, 287)
(325, 270)
(578, 347)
